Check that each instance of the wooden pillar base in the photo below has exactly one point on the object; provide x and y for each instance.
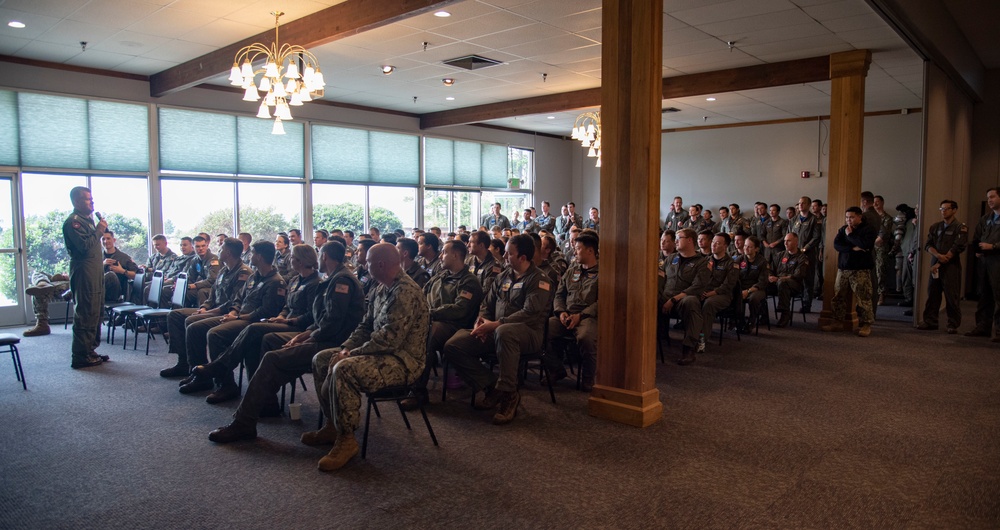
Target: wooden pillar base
(639, 409)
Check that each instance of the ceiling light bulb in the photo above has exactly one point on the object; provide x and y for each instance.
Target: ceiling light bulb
(709, 99)
(292, 72)
(450, 98)
(262, 112)
(388, 69)
(16, 24)
(278, 128)
(235, 76)
(251, 94)
(550, 117)
(442, 14)
(448, 81)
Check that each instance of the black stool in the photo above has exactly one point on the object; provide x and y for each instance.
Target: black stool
(11, 340)
(392, 393)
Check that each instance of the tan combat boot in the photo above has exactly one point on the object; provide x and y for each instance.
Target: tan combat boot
(343, 451)
(325, 436)
(865, 330)
(41, 328)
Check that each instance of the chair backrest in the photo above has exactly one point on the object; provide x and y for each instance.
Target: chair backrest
(155, 289)
(180, 290)
(135, 287)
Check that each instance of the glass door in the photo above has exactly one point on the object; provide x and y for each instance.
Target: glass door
(12, 298)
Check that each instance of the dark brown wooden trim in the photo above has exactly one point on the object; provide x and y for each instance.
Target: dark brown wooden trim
(514, 130)
(330, 24)
(71, 68)
(326, 102)
(760, 76)
(785, 120)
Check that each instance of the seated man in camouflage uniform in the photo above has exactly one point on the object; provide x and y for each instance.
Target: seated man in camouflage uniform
(686, 277)
(45, 288)
(387, 349)
(575, 313)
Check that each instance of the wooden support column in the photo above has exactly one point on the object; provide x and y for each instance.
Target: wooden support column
(847, 127)
(631, 92)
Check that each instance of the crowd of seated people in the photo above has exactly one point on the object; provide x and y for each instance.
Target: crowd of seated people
(378, 310)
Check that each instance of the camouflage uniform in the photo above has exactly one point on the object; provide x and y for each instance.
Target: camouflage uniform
(160, 262)
(185, 263)
(189, 329)
(884, 264)
(545, 222)
(86, 278)
(948, 279)
(675, 220)
(454, 304)
(54, 289)
(853, 272)
(206, 270)
(432, 267)
(576, 294)
(520, 305)
(387, 349)
(418, 274)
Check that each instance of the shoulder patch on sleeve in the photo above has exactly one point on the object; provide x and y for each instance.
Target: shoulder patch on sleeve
(544, 285)
(465, 294)
(214, 263)
(342, 288)
(281, 291)
(963, 229)
(243, 276)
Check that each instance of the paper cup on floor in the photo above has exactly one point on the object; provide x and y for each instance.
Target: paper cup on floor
(295, 411)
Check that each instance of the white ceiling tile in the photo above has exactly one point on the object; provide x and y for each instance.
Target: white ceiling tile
(170, 22)
(835, 10)
(113, 13)
(211, 8)
(582, 67)
(571, 56)
(779, 19)
(46, 51)
(545, 11)
(10, 45)
(131, 43)
(863, 21)
(514, 37)
(179, 50)
(100, 59)
(791, 54)
(580, 21)
(71, 32)
(713, 57)
(506, 3)
(459, 12)
(760, 50)
(595, 35)
(898, 57)
(687, 49)
(488, 23)
(805, 3)
(51, 8)
(259, 13)
(446, 52)
(707, 14)
(671, 6)
(904, 69)
(878, 45)
(883, 34)
(145, 66)
(683, 35)
(562, 41)
(800, 31)
(35, 24)
(220, 32)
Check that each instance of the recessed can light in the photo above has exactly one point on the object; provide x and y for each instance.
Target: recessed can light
(550, 117)
(16, 24)
(709, 99)
(442, 14)
(450, 98)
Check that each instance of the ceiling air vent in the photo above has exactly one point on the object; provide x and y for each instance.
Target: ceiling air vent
(471, 62)
(670, 109)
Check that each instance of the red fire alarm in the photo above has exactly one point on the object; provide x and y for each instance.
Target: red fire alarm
(805, 174)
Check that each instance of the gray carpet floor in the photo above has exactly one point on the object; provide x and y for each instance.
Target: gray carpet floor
(790, 429)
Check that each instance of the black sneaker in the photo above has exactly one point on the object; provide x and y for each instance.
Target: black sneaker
(86, 363)
(177, 370)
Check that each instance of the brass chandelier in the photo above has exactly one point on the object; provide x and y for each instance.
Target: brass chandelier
(282, 83)
(587, 129)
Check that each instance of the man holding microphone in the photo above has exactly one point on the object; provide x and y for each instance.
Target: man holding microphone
(86, 276)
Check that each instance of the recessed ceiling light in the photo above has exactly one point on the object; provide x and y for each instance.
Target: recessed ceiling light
(15, 24)
(448, 81)
(442, 14)
(388, 69)
(550, 117)
(709, 99)
(450, 98)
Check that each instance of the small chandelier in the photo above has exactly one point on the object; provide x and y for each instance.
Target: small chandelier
(587, 129)
(279, 62)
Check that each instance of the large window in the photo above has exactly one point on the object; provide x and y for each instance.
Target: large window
(191, 206)
(9, 292)
(267, 208)
(122, 201)
(392, 208)
(338, 206)
(511, 203)
(46, 207)
(450, 209)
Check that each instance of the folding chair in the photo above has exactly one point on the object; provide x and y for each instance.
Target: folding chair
(148, 317)
(128, 311)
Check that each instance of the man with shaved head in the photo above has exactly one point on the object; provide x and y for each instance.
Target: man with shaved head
(387, 349)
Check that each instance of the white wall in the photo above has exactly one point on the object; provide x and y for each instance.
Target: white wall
(716, 167)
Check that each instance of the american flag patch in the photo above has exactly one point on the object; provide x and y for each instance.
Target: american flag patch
(342, 288)
(465, 294)
(543, 285)
(281, 292)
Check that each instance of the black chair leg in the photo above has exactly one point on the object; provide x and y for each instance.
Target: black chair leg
(427, 422)
(406, 420)
(368, 420)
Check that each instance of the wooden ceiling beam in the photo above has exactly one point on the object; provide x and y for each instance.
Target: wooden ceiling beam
(782, 73)
(330, 24)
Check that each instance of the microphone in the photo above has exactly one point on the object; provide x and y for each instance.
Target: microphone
(99, 216)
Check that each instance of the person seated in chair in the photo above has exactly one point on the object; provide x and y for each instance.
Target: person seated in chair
(337, 309)
(511, 320)
(788, 278)
(718, 294)
(295, 317)
(45, 288)
(754, 270)
(575, 313)
(686, 277)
